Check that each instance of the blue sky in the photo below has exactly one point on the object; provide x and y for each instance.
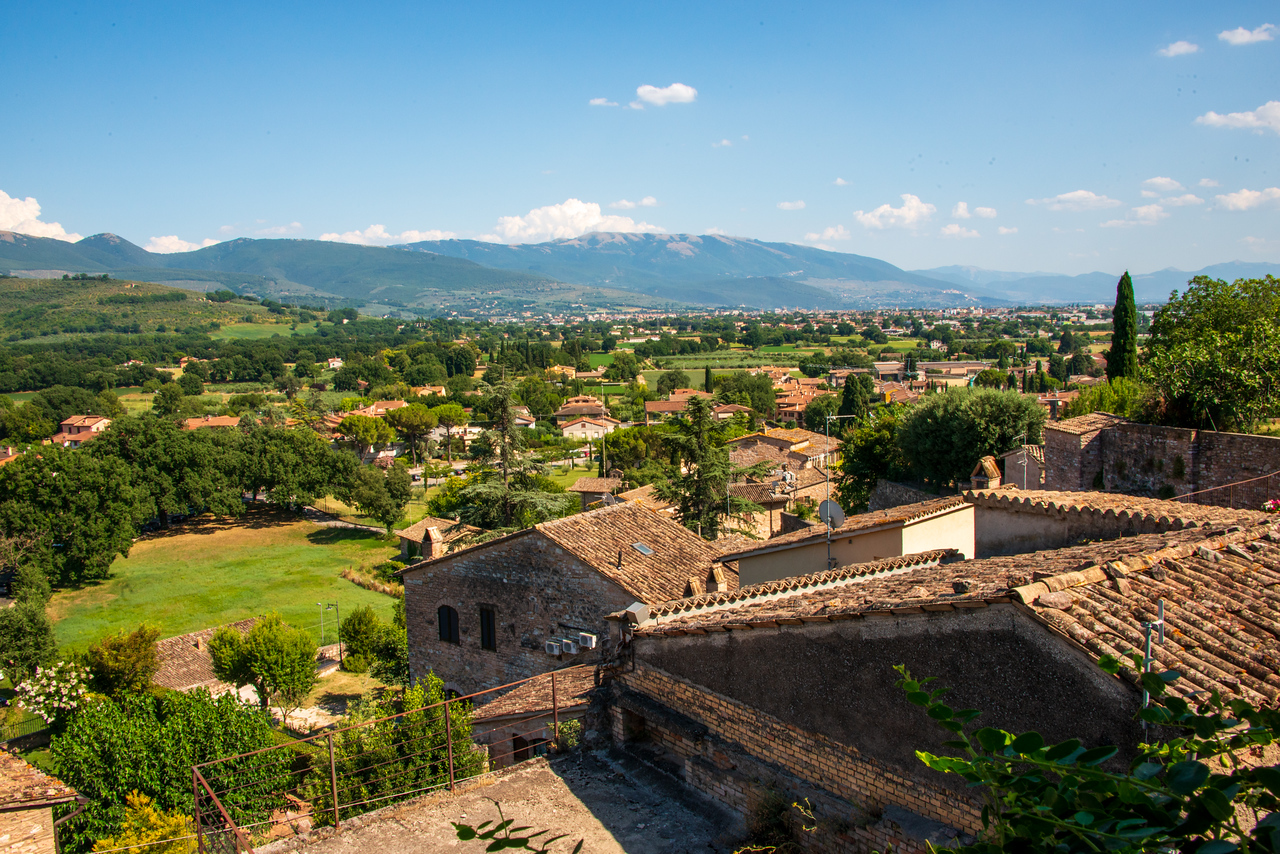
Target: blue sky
(1076, 138)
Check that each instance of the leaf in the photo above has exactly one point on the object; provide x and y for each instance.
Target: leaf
(1083, 818)
(1185, 777)
(1028, 742)
(1269, 777)
(1109, 664)
(1063, 750)
(1097, 755)
(940, 712)
(1217, 846)
(1217, 803)
(991, 739)
(918, 698)
(1147, 770)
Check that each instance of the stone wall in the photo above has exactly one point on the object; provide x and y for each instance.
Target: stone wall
(889, 494)
(27, 832)
(1144, 459)
(538, 592)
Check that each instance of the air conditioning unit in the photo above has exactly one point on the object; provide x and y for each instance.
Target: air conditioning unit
(569, 647)
(586, 640)
(553, 647)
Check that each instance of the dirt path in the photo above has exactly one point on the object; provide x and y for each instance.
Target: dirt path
(614, 804)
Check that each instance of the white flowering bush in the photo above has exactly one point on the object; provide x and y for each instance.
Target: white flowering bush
(54, 692)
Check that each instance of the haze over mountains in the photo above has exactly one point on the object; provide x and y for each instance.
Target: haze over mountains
(597, 269)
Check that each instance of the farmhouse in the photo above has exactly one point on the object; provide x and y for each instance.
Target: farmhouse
(488, 615)
(78, 429)
(590, 428)
(594, 489)
(206, 421)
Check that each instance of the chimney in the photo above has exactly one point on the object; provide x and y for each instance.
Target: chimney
(199, 643)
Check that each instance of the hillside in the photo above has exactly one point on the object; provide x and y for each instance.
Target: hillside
(716, 270)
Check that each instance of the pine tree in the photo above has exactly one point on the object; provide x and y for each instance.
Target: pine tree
(1122, 360)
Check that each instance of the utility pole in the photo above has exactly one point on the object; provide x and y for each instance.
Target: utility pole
(827, 467)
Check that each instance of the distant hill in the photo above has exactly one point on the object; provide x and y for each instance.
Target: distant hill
(715, 269)
(1038, 288)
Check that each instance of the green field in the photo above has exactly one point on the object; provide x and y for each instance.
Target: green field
(599, 359)
(212, 572)
(259, 331)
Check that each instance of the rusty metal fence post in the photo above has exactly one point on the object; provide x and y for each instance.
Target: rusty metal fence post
(448, 740)
(555, 712)
(195, 794)
(333, 783)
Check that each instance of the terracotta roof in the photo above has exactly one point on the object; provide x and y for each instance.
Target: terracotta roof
(602, 421)
(573, 684)
(647, 496)
(184, 665)
(595, 484)
(893, 516)
(1086, 423)
(757, 493)
(600, 536)
(665, 405)
(24, 786)
(82, 421)
(1154, 511)
(986, 467)
(762, 452)
(211, 421)
(1035, 452)
(417, 532)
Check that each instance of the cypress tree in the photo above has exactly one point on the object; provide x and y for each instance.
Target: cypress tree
(708, 382)
(853, 401)
(1122, 360)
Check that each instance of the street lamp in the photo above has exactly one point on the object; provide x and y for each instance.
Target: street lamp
(321, 606)
(337, 615)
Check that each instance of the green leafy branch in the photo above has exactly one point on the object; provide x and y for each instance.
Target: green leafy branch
(501, 836)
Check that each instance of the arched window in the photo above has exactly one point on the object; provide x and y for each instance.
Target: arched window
(448, 619)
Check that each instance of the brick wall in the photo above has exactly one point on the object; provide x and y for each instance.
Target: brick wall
(537, 590)
(1144, 459)
(27, 832)
(739, 755)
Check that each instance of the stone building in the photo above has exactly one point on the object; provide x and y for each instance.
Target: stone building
(520, 724)
(483, 616)
(430, 537)
(27, 798)
(788, 687)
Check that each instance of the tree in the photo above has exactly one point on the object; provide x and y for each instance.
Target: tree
(708, 381)
(190, 384)
(754, 390)
(168, 399)
(124, 663)
(413, 422)
(278, 660)
(391, 656)
(294, 467)
(1122, 359)
(1214, 354)
(382, 497)
(853, 400)
(448, 416)
(361, 634)
(869, 453)
(944, 435)
(26, 641)
(365, 431)
(698, 480)
(669, 381)
(624, 367)
(80, 511)
(1121, 396)
(153, 742)
(817, 410)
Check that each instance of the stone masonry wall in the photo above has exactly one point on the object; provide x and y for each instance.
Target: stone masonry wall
(738, 755)
(537, 590)
(27, 832)
(888, 494)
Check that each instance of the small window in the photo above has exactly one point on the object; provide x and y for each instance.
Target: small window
(642, 548)
(488, 629)
(448, 619)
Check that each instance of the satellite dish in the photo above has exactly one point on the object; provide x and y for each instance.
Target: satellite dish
(831, 513)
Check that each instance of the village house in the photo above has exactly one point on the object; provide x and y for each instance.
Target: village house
(27, 798)
(430, 537)
(78, 429)
(804, 448)
(789, 687)
(520, 724)
(579, 406)
(1024, 466)
(590, 429)
(595, 489)
(334, 363)
(777, 494)
(8, 454)
(535, 600)
(206, 421)
(185, 662)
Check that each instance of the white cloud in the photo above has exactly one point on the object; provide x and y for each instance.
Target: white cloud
(1144, 215)
(1150, 194)
(912, 213)
(714, 230)
(955, 229)
(1179, 48)
(377, 235)
(985, 213)
(23, 216)
(1003, 230)
(627, 204)
(1076, 200)
(960, 211)
(602, 102)
(571, 218)
(797, 205)
(1209, 182)
(1164, 185)
(832, 232)
(172, 243)
(1266, 116)
(1240, 35)
(724, 143)
(291, 228)
(840, 182)
(1184, 200)
(1247, 199)
(676, 93)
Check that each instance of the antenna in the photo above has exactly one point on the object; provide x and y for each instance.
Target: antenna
(1158, 626)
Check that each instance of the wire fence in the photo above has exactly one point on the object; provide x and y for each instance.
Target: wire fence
(276, 792)
(1250, 494)
(31, 726)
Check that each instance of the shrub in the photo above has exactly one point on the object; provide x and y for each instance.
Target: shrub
(355, 663)
(145, 825)
(54, 693)
(361, 633)
(123, 663)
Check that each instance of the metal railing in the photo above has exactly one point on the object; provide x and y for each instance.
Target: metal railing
(319, 781)
(31, 726)
(1249, 494)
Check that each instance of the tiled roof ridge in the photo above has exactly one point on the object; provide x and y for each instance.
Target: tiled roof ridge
(800, 583)
(1028, 593)
(1011, 498)
(414, 567)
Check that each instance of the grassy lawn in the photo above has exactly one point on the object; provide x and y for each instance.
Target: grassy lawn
(598, 359)
(258, 331)
(212, 572)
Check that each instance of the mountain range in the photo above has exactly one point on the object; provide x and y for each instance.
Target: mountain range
(599, 269)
